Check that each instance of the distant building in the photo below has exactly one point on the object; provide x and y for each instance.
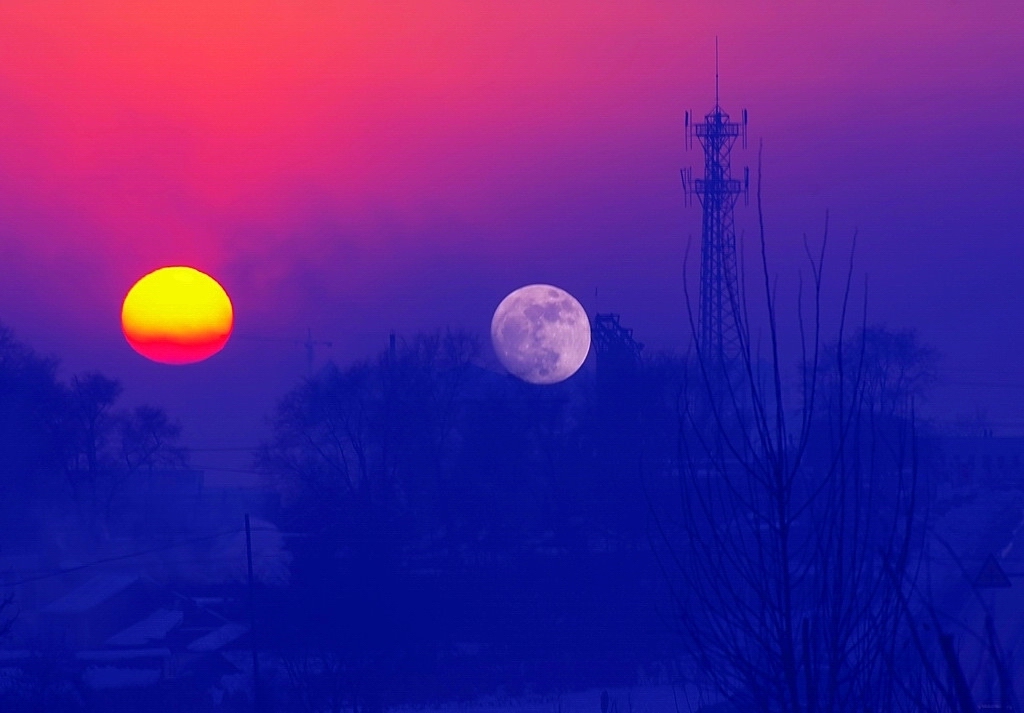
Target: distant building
(119, 630)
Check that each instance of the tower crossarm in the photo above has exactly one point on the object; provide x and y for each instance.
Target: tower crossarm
(718, 186)
(715, 128)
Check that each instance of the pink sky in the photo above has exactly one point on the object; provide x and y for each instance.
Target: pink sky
(357, 167)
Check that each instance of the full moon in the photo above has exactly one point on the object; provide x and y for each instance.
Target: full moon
(177, 315)
(541, 334)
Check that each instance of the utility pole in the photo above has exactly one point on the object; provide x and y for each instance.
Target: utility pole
(257, 697)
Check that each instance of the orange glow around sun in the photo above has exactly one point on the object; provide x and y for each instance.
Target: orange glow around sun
(177, 315)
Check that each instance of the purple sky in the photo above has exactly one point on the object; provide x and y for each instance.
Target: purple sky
(353, 170)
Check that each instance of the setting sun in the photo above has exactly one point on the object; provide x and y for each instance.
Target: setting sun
(177, 315)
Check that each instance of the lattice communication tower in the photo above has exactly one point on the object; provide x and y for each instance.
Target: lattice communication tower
(618, 353)
(719, 310)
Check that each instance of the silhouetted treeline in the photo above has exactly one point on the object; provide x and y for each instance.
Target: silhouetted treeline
(465, 532)
(443, 532)
(67, 450)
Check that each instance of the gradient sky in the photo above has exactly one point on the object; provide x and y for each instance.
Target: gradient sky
(357, 167)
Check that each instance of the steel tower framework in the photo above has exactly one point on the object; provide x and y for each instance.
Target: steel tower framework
(719, 309)
(618, 353)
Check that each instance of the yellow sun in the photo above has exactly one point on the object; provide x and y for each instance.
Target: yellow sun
(177, 315)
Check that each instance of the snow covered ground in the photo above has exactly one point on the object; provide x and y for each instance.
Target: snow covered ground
(637, 699)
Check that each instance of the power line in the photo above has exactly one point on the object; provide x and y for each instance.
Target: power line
(983, 384)
(227, 470)
(130, 555)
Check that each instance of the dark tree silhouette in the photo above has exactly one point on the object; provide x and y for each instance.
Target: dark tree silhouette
(147, 440)
(800, 521)
(105, 447)
(91, 420)
(30, 446)
(374, 434)
(361, 456)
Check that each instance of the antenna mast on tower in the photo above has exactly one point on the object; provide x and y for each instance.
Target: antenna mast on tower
(719, 315)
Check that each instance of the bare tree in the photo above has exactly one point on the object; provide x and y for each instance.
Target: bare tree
(91, 399)
(104, 447)
(148, 440)
(317, 681)
(324, 453)
(373, 433)
(361, 457)
(30, 455)
(790, 510)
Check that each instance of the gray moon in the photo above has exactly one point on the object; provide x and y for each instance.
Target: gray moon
(541, 334)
